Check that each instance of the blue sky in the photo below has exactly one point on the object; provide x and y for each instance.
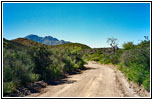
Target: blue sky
(87, 23)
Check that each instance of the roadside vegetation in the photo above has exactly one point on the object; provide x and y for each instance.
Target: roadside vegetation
(26, 61)
(133, 60)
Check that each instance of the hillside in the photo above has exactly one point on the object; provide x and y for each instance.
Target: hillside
(28, 42)
(12, 44)
(68, 46)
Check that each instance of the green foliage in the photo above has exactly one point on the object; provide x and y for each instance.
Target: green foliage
(128, 45)
(17, 65)
(105, 58)
(69, 64)
(41, 60)
(27, 61)
(144, 44)
(71, 46)
(135, 63)
(17, 68)
(8, 87)
(51, 64)
(146, 82)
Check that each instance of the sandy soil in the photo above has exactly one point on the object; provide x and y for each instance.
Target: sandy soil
(97, 81)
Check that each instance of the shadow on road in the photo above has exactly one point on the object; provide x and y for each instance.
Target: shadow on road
(63, 81)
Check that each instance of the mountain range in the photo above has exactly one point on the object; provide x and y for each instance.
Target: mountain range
(48, 40)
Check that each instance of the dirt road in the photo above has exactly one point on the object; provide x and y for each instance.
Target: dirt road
(97, 81)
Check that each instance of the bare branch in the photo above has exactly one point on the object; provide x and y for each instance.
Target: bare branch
(113, 43)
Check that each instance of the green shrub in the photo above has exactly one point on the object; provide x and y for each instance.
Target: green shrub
(146, 83)
(69, 65)
(135, 63)
(28, 63)
(17, 69)
(113, 58)
(8, 87)
(128, 45)
(34, 77)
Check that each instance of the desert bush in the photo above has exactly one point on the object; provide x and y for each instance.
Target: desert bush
(28, 63)
(18, 64)
(113, 58)
(144, 44)
(8, 87)
(69, 64)
(135, 63)
(41, 59)
(51, 64)
(137, 56)
(46, 64)
(17, 69)
(128, 45)
(146, 82)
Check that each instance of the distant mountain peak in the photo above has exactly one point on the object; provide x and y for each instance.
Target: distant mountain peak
(32, 35)
(48, 40)
(49, 36)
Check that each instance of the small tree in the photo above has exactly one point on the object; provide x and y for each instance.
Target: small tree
(113, 43)
(128, 45)
(144, 43)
